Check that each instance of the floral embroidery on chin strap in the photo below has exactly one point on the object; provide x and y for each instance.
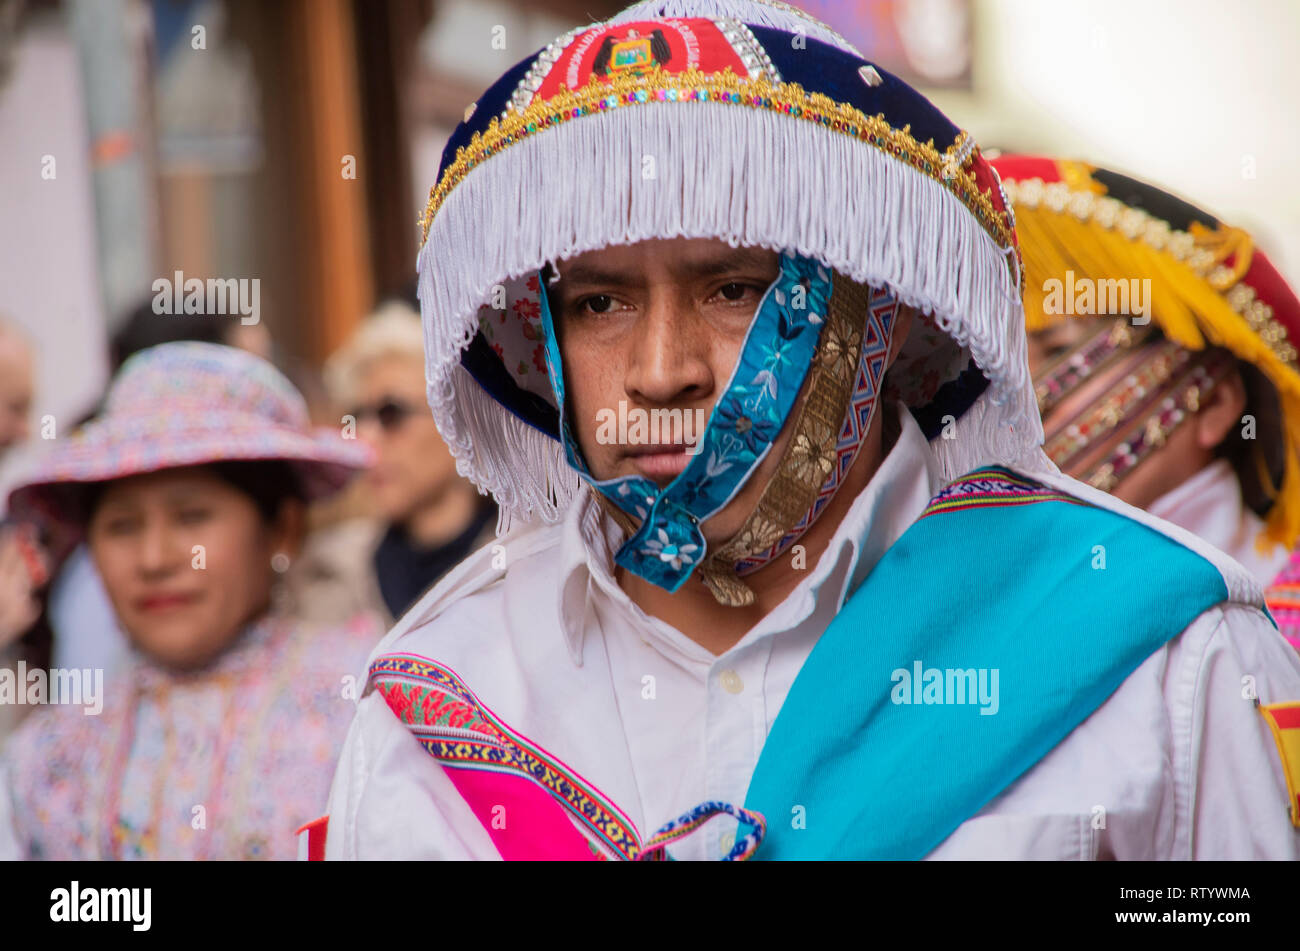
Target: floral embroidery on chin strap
(655, 847)
(774, 361)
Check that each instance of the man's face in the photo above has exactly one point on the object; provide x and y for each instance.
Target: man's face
(659, 325)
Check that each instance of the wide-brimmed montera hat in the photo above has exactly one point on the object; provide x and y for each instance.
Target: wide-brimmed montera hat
(187, 404)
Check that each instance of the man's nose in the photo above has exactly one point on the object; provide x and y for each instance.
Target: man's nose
(669, 362)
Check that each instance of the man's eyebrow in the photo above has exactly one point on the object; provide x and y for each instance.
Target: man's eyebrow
(589, 274)
(733, 260)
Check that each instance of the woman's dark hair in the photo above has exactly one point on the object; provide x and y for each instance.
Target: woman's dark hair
(143, 329)
(268, 483)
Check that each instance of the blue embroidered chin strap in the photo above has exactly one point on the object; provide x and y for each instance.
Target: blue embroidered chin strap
(774, 360)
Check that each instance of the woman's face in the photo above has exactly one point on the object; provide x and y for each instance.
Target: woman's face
(413, 466)
(186, 560)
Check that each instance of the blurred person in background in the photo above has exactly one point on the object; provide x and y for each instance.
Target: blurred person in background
(82, 627)
(79, 625)
(428, 517)
(1185, 399)
(217, 740)
(22, 563)
(15, 386)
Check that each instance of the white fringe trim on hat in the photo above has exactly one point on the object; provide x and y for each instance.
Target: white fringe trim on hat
(746, 176)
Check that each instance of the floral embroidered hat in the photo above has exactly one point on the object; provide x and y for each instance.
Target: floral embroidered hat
(766, 129)
(186, 404)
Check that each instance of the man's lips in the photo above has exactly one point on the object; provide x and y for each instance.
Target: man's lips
(165, 602)
(657, 462)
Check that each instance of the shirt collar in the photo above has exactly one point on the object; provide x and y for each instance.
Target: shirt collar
(1208, 504)
(898, 492)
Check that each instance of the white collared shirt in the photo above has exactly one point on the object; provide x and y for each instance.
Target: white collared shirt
(1209, 505)
(556, 649)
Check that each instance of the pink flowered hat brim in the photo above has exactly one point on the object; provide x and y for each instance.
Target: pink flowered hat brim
(127, 445)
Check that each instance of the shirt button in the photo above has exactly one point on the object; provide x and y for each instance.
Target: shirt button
(731, 681)
(728, 842)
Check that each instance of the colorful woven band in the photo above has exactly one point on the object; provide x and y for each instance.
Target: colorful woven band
(1186, 393)
(1095, 354)
(1130, 396)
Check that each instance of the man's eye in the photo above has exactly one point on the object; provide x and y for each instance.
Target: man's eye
(599, 304)
(735, 291)
(193, 516)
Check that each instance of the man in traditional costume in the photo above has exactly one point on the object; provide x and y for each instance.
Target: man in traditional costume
(859, 614)
(1163, 350)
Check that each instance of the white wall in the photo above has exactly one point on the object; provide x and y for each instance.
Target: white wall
(1192, 95)
(49, 283)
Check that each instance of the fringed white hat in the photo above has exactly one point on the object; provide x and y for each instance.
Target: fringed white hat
(747, 122)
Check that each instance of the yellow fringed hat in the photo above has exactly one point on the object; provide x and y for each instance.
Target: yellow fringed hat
(1210, 286)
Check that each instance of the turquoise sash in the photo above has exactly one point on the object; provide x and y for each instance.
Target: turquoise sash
(999, 577)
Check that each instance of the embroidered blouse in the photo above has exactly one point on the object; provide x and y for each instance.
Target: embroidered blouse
(223, 763)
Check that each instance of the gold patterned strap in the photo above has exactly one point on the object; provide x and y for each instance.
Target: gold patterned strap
(809, 457)
(621, 518)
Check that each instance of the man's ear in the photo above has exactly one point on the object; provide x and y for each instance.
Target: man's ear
(1220, 411)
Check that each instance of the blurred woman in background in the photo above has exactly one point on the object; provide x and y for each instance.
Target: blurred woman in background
(218, 740)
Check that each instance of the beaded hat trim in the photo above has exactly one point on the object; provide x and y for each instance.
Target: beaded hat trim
(763, 91)
(1188, 247)
(1206, 286)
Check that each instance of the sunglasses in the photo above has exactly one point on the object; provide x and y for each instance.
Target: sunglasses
(390, 413)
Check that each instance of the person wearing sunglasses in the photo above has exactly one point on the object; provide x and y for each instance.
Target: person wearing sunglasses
(426, 517)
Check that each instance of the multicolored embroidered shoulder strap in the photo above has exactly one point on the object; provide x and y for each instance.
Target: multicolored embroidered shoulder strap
(1284, 723)
(990, 487)
(526, 798)
(526, 821)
